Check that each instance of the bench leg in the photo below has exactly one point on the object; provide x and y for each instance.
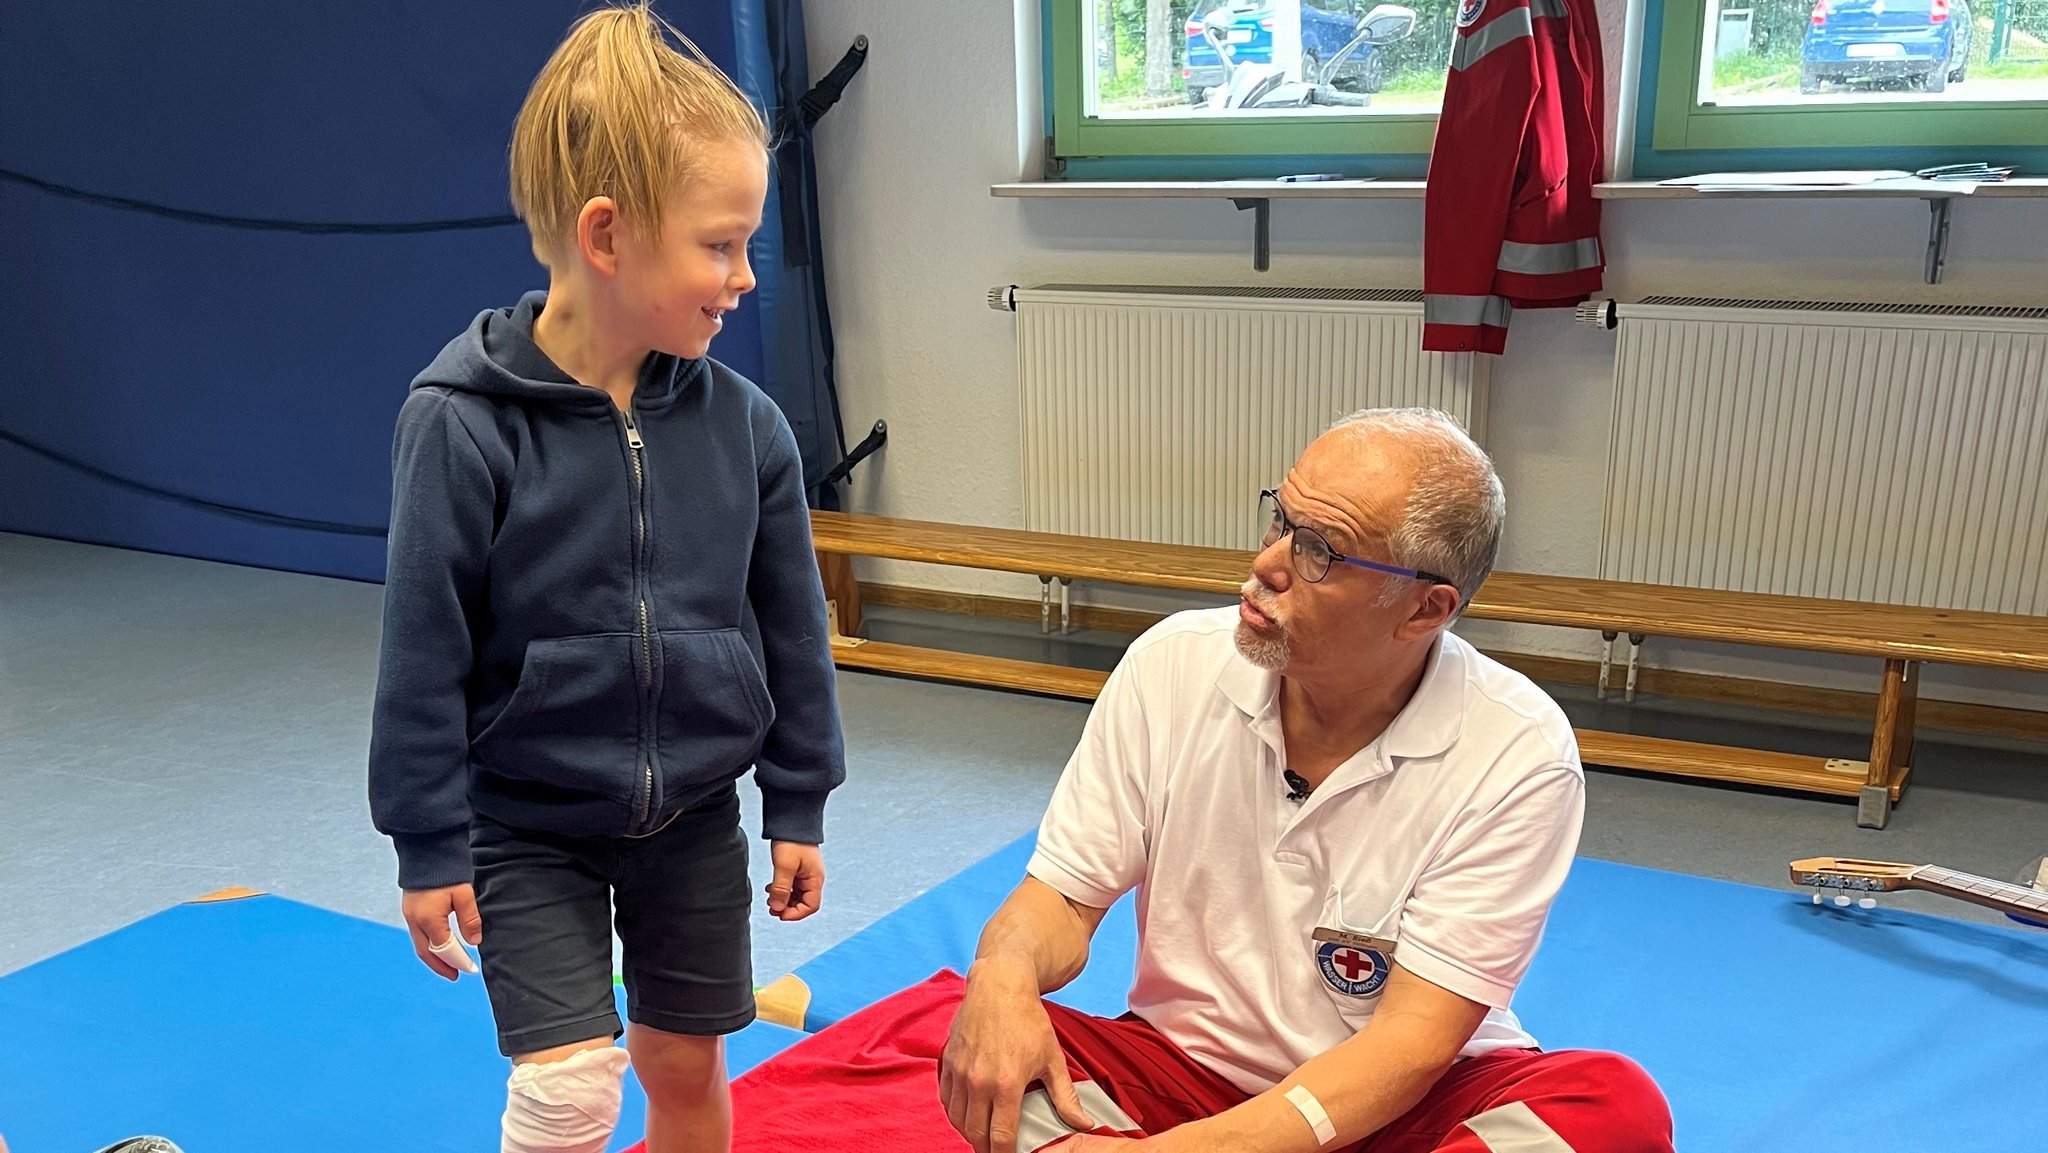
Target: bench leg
(1635, 652)
(1066, 606)
(1891, 744)
(1606, 662)
(1044, 604)
(842, 591)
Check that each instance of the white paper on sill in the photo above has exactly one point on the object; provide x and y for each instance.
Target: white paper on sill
(1908, 184)
(1832, 178)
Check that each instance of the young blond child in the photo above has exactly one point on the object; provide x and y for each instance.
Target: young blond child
(602, 609)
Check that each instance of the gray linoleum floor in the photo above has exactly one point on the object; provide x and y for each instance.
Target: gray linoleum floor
(169, 727)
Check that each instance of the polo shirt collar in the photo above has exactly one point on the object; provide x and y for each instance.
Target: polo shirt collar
(1427, 726)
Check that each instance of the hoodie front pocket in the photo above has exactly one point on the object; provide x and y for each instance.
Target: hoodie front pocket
(573, 722)
(715, 707)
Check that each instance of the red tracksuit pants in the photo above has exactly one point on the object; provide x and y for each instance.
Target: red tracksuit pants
(870, 1084)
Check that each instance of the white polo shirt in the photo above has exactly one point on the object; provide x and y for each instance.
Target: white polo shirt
(1265, 926)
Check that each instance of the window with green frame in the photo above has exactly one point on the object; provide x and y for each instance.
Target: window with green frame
(1766, 84)
(1245, 87)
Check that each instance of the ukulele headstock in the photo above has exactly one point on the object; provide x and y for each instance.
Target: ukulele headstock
(1852, 874)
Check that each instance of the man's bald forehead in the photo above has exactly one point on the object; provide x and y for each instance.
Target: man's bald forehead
(1368, 476)
(1365, 439)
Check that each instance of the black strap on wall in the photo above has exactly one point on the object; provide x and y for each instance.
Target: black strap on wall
(875, 439)
(825, 93)
(259, 223)
(258, 516)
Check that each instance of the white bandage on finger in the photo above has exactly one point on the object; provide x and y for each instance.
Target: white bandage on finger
(1312, 1112)
(451, 951)
(568, 1106)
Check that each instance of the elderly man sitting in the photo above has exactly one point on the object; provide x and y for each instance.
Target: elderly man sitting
(1345, 827)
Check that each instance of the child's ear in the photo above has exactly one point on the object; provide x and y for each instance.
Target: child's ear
(598, 234)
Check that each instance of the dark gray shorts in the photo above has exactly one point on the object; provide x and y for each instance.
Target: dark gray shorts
(681, 899)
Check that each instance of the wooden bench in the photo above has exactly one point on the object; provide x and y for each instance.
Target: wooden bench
(1902, 637)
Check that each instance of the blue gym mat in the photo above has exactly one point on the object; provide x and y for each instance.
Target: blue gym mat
(1776, 1024)
(1772, 1024)
(261, 1024)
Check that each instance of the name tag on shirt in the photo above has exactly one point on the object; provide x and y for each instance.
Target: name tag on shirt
(1355, 940)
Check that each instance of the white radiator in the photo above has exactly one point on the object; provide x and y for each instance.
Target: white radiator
(1885, 453)
(1157, 414)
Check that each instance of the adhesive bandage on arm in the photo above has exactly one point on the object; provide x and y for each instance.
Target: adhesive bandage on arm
(1312, 1112)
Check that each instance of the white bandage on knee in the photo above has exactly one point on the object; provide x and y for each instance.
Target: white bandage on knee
(1312, 1112)
(568, 1106)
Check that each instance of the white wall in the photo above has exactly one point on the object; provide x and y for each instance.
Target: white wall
(947, 106)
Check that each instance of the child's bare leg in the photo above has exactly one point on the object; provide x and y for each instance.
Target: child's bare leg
(564, 1099)
(689, 1104)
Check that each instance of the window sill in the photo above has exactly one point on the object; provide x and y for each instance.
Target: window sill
(1214, 189)
(1259, 195)
(1939, 202)
(2023, 186)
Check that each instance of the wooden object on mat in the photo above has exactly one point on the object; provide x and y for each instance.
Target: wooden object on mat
(785, 1001)
(231, 893)
(1901, 636)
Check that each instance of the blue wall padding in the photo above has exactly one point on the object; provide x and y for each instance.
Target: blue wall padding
(262, 1024)
(224, 365)
(259, 369)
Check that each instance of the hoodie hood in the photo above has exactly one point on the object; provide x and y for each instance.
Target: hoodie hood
(496, 356)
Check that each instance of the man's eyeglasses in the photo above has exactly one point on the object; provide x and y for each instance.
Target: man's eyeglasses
(1313, 555)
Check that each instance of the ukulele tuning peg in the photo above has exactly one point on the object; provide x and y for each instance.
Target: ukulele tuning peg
(1867, 903)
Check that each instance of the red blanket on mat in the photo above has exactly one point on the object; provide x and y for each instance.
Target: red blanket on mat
(869, 1084)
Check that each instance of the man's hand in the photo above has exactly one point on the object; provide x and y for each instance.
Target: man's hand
(426, 913)
(799, 882)
(1002, 1041)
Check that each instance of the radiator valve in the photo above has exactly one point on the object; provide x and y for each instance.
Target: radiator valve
(1595, 313)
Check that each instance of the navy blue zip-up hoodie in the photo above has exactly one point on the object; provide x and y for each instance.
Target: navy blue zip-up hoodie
(593, 619)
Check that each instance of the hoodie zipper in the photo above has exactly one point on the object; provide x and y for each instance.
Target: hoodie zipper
(634, 445)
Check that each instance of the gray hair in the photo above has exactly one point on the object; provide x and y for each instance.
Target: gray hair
(1452, 524)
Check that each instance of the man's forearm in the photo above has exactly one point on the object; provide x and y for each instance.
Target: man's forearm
(1036, 939)
(1361, 1086)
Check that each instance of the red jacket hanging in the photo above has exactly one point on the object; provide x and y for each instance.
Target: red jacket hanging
(1509, 219)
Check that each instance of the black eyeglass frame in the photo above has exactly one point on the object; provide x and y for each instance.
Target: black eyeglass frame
(1277, 526)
